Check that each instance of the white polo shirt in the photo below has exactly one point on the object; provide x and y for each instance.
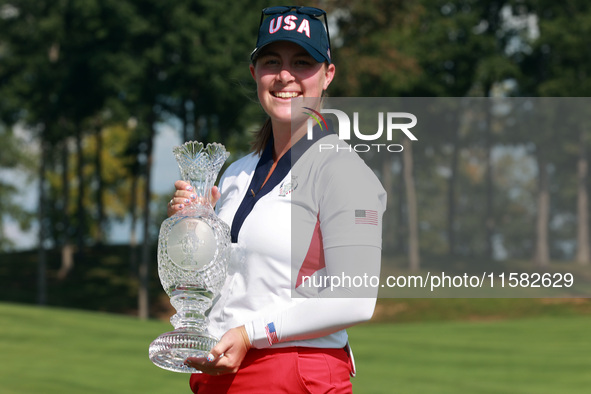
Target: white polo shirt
(280, 232)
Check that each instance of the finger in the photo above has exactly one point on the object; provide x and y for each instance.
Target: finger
(216, 352)
(183, 185)
(176, 204)
(224, 364)
(200, 364)
(182, 198)
(218, 367)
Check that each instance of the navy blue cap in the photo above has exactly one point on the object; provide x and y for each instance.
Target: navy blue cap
(304, 30)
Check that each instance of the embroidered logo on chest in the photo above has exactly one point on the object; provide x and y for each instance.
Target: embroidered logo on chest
(288, 186)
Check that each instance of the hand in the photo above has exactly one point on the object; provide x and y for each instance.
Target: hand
(184, 195)
(226, 356)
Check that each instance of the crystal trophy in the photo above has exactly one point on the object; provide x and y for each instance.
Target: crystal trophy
(193, 251)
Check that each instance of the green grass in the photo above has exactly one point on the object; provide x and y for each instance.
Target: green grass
(409, 310)
(533, 355)
(50, 350)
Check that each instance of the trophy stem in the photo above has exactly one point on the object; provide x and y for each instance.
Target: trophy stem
(190, 304)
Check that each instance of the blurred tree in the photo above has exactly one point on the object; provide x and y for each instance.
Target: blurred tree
(428, 48)
(67, 59)
(71, 68)
(379, 35)
(193, 56)
(565, 29)
(558, 64)
(14, 157)
(471, 38)
(492, 69)
(207, 49)
(30, 79)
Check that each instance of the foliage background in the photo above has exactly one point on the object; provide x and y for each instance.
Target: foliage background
(86, 86)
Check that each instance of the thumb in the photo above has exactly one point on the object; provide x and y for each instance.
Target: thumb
(215, 195)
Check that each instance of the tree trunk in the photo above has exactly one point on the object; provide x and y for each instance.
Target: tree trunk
(80, 228)
(67, 261)
(542, 249)
(133, 210)
(42, 253)
(583, 255)
(388, 228)
(489, 219)
(400, 225)
(451, 193)
(100, 203)
(411, 206)
(67, 252)
(143, 299)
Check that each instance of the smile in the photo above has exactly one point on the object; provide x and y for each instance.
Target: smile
(285, 95)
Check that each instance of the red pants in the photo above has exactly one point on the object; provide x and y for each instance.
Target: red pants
(282, 370)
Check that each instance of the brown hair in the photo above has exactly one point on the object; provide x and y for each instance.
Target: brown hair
(262, 137)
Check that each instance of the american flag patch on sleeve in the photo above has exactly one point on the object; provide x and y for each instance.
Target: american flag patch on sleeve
(271, 333)
(366, 216)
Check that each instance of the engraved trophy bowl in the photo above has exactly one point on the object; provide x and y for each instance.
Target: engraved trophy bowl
(193, 252)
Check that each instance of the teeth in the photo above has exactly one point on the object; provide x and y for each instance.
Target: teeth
(286, 94)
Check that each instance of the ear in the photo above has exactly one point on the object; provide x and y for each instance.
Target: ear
(328, 75)
(252, 72)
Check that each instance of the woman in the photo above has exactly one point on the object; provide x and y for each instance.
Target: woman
(278, 334)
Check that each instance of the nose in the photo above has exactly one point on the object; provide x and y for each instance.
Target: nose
(285, 76)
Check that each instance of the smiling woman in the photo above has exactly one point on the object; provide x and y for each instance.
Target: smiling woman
(310, 52)
(270, 340)
(284, 70)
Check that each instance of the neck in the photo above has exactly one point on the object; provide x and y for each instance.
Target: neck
(283, 138)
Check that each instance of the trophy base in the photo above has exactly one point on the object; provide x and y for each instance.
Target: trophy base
(170, 350)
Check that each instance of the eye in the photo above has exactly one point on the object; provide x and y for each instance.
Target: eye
(267, 59)
(305, 61)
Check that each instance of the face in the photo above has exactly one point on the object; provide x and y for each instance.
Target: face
(284, 70)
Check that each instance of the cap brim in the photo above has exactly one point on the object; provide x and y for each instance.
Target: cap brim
(319, 57)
